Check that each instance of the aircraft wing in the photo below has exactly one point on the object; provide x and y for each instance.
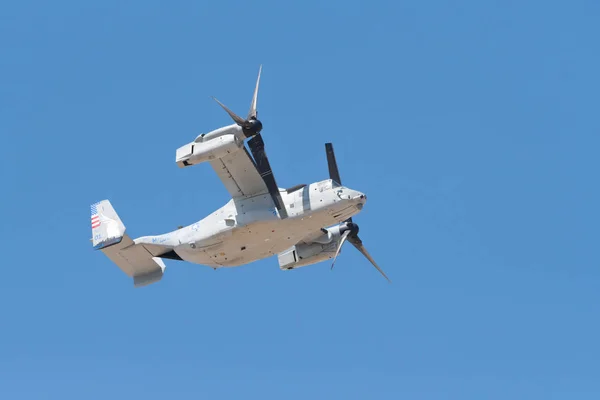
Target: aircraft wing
(239, 174)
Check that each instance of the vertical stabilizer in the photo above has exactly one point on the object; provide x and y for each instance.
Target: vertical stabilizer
(107, 228)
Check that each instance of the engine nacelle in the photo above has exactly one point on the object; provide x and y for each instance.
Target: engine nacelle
(202, 149)
(321, 249)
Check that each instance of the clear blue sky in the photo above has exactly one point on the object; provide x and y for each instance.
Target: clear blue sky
(472, 126)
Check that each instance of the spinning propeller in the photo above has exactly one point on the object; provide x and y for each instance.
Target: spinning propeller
(251, 127)
(348, 229)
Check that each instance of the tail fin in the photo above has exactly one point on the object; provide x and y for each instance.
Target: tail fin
(108, 235)
(107, 228)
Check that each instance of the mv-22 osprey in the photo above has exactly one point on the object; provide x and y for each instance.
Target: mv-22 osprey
(303, 225)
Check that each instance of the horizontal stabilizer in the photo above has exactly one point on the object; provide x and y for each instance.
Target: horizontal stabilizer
(137, 262)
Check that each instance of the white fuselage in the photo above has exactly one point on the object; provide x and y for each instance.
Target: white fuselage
(249, 229)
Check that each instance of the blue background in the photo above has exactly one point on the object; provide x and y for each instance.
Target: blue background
(472, 126)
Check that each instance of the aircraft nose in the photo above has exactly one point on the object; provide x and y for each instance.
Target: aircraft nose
(356, 196)
(361, 196)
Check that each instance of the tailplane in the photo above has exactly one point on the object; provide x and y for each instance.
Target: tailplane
(108, 235)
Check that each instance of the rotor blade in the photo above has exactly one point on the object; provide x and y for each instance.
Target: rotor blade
(257, 147)
(252, 113)
(344, 237)
(334, 173)
(238, 120)
(356, 242)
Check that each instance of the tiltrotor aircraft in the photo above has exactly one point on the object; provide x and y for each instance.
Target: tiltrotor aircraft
(303, 225)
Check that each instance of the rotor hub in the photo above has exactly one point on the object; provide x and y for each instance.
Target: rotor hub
(352, 227)
(252, 127)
